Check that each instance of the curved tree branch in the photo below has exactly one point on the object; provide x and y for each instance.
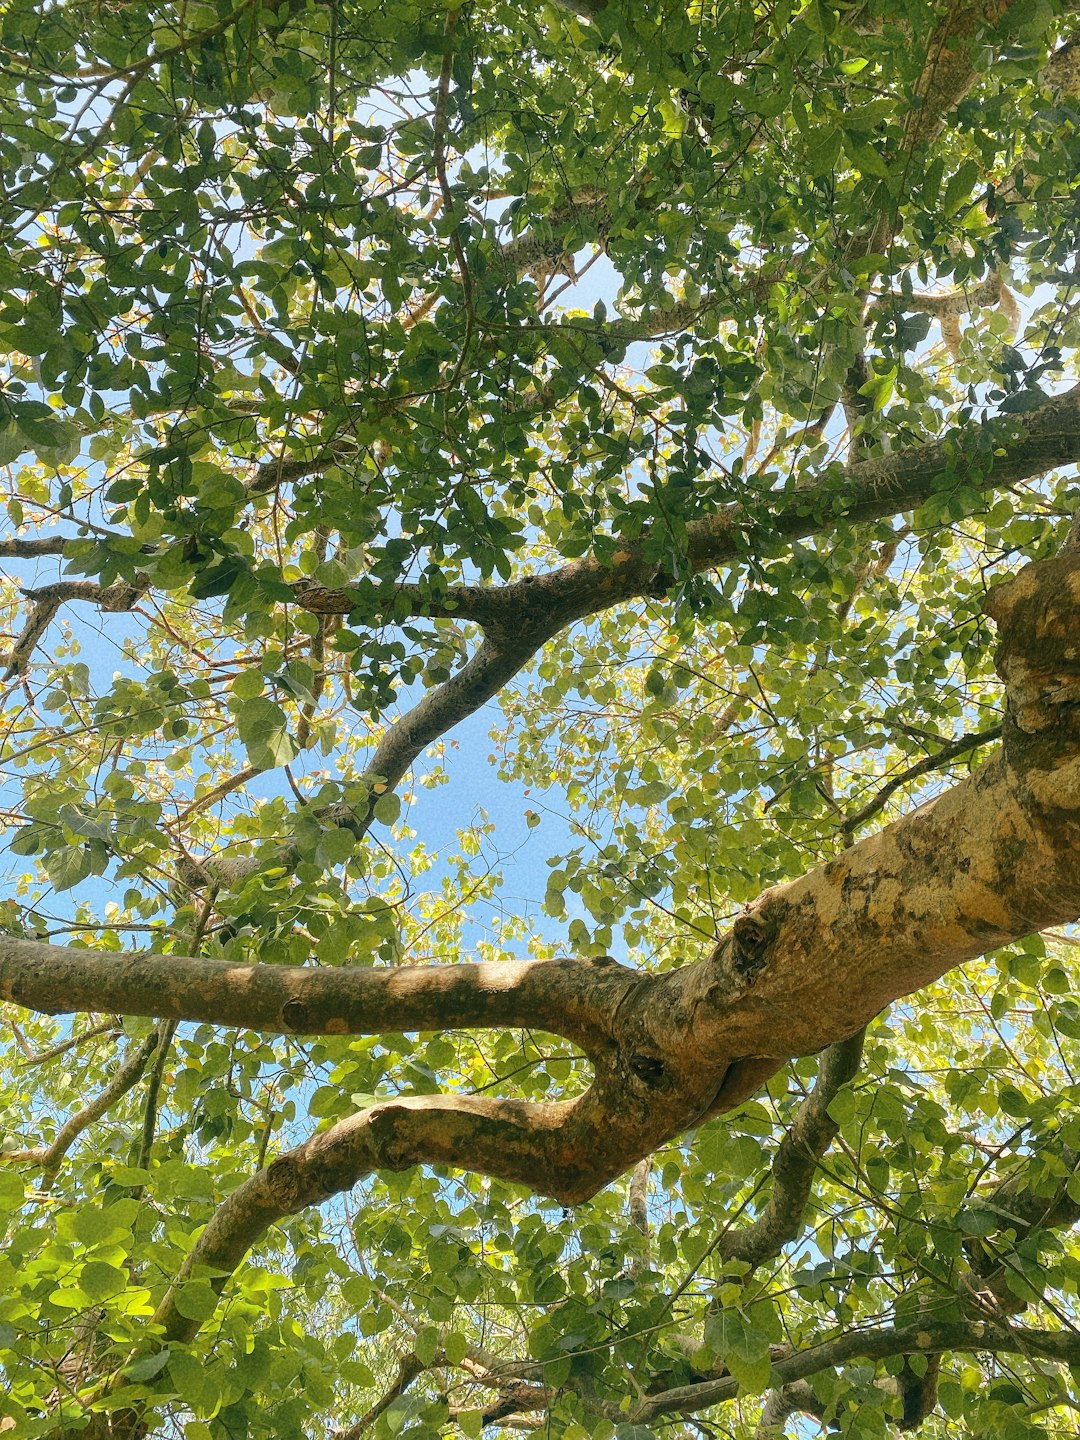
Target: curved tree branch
(795, 1164)
(949, 752)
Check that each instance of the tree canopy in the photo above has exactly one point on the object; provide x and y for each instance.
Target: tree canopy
(540, 748)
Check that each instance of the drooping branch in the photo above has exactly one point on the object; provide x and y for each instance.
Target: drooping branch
(46, 602)
(17, 659)
(41, 1057)
(562, 1149)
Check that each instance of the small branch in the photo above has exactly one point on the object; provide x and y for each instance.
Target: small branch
(985, 292)
(1022, 1206)
(438, 154)
(409, 1367)
(950, 751)
(18, 548)
(795, 1164)
(166, 1030)
(50, 1157)
(639, 1211)
(481, 677)
(106, 1027)
(219, 792)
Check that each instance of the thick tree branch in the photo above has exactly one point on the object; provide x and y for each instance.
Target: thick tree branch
(809, 963)
(565, 997)
(15, 547)
(949, 302)
(165, 1032)
(638, 1205)
(798, 1396)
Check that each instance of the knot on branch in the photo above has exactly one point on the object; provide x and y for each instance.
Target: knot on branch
(750, 937)
(119, 596)
(649, 1069)
(294, 1015)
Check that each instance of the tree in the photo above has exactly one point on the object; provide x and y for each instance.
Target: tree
(686, 394)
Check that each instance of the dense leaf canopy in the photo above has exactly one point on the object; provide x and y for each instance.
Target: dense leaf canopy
(491, 488)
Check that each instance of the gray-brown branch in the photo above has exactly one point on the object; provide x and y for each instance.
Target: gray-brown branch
(520, 617)
(795, 1164)
(50, 1157)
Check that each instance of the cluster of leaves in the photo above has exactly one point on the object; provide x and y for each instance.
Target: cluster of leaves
(322, 324)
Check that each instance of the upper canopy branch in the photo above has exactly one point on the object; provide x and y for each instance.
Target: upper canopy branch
(984, 457)
(925, 1338)
(988, 456)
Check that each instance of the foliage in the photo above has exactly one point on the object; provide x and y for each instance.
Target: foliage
(663, 389)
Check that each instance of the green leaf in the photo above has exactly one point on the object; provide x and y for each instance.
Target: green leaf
(426, 1344)
(100, 1280)
(196, 1300)
(147, 1367)
(264, 729)
(69, 866)
(387, 808)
